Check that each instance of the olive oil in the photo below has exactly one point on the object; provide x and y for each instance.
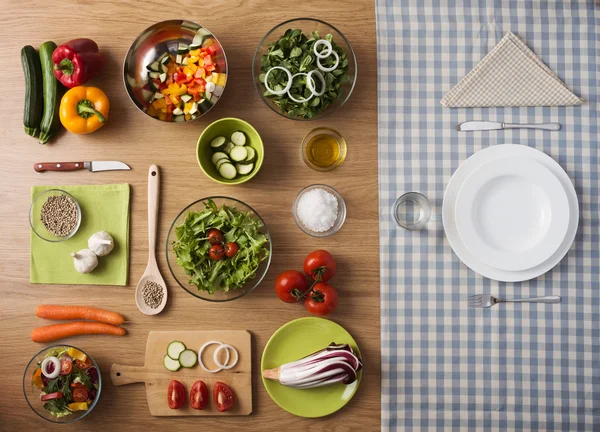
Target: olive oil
(323, 150)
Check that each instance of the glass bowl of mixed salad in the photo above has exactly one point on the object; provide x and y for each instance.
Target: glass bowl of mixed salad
(175, 71)
(218, 249)
(304, 69)
(62, 383)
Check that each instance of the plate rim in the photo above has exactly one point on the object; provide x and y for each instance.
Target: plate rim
(518, 276)
(295, 322)
(535, 172)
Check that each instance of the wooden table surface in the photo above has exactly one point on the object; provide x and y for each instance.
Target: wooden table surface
(135, 139)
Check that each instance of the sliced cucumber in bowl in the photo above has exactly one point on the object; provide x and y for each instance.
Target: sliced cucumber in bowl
(238, 154)
(227, 171)
(244, 169)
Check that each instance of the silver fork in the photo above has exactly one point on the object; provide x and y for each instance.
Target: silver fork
(486, 301)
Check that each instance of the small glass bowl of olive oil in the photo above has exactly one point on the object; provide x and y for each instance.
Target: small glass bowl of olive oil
(323, 149)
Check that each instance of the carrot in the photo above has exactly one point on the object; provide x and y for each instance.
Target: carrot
(60, 331)
(56, 312)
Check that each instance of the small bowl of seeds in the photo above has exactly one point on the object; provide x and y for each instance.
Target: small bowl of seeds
(55, 215)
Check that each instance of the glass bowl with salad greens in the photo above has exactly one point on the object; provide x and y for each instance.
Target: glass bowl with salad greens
(218, 249)
(62, 383)
(304, 69)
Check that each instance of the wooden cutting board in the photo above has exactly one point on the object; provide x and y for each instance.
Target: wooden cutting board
(157, 377)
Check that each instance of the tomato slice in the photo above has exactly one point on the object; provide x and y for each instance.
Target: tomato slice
(199, 395)
(50, 396)
(66, 365)
(223, 396)
(83, 365)
(80, 394)
(176, 394)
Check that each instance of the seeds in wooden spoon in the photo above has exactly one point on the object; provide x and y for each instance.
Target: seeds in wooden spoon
(152, 293)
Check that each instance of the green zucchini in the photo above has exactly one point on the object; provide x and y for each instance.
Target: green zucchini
(50, 120)
(34, 100)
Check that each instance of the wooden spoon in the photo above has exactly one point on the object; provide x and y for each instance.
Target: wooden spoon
(152, 272)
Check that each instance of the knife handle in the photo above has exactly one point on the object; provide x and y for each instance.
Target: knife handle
(543, 126)
(58, 166)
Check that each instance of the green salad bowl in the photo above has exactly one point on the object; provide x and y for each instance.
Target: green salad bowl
(225, 127)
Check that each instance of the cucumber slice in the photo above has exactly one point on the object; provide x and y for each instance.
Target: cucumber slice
(153, 67)
(238, 138)
(218, 143)
(193, 46)
(186, 97)
(194, 108)
(251, 154)
(178, 59)
(228, 147)
(170, 364)
(221, 162)
(154, 74)
(218, 90)
(185, 61)
(238, 154)
(227, 171)
(217, 156)
(162, 77)
(244, 169)
(177, 111)
(182, 48)
(158, 95)
(179, 118)
(188, 358)
(165, 59)
(174, 349)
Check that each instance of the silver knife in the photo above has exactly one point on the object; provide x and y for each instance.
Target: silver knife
(490, 125)
(92, 166)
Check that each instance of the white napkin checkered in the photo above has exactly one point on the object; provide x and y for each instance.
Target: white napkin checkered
(511, 74)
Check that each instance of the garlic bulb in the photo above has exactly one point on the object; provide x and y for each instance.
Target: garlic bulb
(85, 260)
(101, 243)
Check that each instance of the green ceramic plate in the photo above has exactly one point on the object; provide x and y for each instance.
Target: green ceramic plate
(298, 339)
(225, 127)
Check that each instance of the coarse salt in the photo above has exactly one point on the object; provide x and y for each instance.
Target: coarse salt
(317, 210)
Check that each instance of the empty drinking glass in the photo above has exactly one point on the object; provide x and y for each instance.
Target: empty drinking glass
(412, 211)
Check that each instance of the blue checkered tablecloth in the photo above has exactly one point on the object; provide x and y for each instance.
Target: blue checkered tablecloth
(511, 367)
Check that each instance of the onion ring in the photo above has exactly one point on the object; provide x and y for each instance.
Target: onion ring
(287, 87)
(201, 350)
(322, 54)
(56, 370)
(310, 80)
(227, 348)
(337, 62)
(299, 100)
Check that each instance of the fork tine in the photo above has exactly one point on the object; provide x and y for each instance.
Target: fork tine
(475, 300)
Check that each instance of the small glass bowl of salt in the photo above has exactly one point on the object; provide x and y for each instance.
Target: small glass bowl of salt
(319, 210)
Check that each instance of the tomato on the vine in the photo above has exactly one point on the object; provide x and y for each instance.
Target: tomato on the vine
(320, 265)
(322, 300)
(231, 249)
(290, 286)
(215, 236)
(216, 252)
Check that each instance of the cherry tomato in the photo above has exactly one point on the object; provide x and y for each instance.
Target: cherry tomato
(66, 365)
(199, 395)
(80, 394)
(320, 264)
(176, 394)
(50, 396)
(290, 286)
(231, 249)
(223, 396)
(83, 365)
(214, 236)
(322, 300)
(216, 252)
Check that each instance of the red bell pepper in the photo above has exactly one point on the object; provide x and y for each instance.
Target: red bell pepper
(211, 50)
(76, 61)
(208, 60)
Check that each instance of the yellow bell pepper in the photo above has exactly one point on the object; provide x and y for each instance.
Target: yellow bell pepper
(187, 71)
(84, 109)
(222, 80)
(76, 354)
(78, 406)
(37, 378)
(187, 107)
(195, 53)
(159, 103)
(192, 59)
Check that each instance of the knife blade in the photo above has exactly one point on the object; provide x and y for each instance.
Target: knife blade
(490, 125)
(92, 166)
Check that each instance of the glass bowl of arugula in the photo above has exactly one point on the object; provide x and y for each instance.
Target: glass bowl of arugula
(62, 384)
(218, 249)
(304, 69)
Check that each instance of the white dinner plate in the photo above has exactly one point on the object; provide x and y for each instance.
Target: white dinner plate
(512, 213)
(449, 204)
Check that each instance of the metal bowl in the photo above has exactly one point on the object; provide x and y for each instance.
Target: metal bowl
(183, 279)
(157, 39)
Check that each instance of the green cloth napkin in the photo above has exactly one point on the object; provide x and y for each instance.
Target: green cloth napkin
(103, 208)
